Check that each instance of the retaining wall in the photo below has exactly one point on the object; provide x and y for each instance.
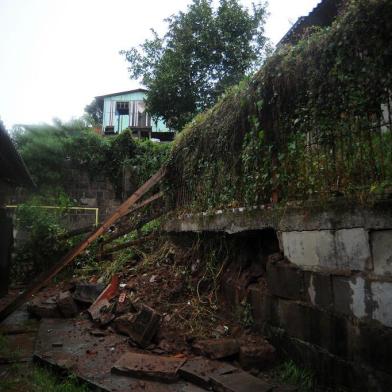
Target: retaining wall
(328, 297)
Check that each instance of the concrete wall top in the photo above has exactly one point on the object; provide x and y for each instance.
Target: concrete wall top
(335, 216)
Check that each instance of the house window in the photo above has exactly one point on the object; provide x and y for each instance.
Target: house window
(138, 116)
(122, 108)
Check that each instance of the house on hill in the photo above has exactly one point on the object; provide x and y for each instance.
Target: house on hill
(127, 110)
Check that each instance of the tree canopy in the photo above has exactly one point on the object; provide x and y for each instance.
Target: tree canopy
(204, 51)
(94, 112)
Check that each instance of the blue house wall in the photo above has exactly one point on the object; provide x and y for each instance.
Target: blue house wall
(124, 110)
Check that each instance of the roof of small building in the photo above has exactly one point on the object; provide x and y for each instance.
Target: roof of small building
(138, 90)
(323, 14)
(12, 168)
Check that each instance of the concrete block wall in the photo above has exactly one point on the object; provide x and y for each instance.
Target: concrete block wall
(97, 192)
(358, 263)
(328, 302)
(332, 298)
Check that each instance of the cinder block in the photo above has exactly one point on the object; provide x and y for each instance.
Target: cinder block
(318, 289)
(382, 302)
(285, 280)
(351, 297)
(381, 244)
(310, 248)
(297, 320)
(352, 249)
(324, 329)
(343, 249)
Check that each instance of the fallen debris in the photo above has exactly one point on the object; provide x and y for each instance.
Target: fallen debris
(140, 327)
(103, 301)
(217, 348)
(200, 370)
(67, 305)
(257, 356)
(148, 366)
(87, 293)
(44, 309)
(99, 333)
(46, 276)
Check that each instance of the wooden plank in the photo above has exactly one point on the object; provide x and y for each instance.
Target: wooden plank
(46, 276)
(144, 203)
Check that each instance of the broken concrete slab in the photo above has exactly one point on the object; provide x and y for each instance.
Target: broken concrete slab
(140, 327)
(239, 382)
(153, 367)
(87, 293)
(91, 360)
(200, 370)
(217, 348)
(47, 309)
(67, 305)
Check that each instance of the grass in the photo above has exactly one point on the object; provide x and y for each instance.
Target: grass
(31, 378)
(290, 373)
(28, 377)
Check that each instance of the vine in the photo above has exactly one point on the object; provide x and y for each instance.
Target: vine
(313, 122)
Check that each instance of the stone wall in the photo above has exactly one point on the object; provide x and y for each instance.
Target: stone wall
(95, 192)
(85, 192)
(326, 299)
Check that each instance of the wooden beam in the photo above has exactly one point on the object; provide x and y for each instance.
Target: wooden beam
(46, 276)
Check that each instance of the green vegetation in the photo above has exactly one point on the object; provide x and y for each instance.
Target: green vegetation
(290, 373)
(51, 152)
(30, 378)
(311, 124)
(45, 244)
(204, 51)
(35, 379)
(94, 112)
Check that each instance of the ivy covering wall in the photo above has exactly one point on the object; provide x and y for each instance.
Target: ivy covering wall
(314, 122)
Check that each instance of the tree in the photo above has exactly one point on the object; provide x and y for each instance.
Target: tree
(94, 111)
(204, 51)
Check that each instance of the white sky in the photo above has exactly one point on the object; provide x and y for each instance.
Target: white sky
(56, 55)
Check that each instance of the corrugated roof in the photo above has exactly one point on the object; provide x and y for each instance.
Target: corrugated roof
(138, 90)
(323, 14)
(12, 167)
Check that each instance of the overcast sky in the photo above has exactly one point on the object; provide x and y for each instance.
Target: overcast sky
(56, 55)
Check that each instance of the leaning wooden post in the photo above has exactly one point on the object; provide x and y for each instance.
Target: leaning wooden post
(46, 276)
